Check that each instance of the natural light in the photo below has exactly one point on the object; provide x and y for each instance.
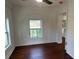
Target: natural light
(35, 29)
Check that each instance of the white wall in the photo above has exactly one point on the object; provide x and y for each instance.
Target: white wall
(60, 10)
(8, 14)
(22, 15)
(70, 29)
(68, 7)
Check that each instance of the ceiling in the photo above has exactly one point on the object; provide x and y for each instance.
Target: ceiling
(34, 3)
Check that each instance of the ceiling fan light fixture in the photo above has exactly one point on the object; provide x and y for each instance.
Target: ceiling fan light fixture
(39, 0)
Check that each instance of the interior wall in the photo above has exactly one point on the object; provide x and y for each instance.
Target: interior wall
(22, 15)
(70, 29)
(68, 7)
(8, 14)
(60, 10)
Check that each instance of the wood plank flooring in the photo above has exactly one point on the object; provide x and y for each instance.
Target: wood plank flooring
(42, 51)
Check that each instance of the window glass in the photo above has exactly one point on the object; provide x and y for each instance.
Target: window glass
(35, 29)
(35, 24)
(7, 34)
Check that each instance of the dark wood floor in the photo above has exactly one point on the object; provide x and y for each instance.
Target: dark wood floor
(43, 51)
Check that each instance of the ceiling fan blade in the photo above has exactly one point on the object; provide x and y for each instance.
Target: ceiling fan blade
(47, 1)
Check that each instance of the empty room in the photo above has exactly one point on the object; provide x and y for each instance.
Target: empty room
(39, 29)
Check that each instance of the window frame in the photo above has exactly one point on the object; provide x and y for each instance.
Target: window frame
(36, 28)
(7, 33)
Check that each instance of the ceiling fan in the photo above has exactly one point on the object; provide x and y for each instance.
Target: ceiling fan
(48, 2)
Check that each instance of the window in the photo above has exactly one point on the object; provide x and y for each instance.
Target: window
(35, 29)
(7, 34)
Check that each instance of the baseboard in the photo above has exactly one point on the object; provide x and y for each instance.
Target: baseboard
(69, 56)
(12, 52)
(8, 54)
(39, 44)
(34, 43)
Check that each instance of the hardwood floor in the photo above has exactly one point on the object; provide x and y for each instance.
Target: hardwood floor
(42, 51)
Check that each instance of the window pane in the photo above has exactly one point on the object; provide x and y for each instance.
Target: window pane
(7, 34)
(6, 40)
(33, 33)
(35, 24)
(36, 33)
(39, 33)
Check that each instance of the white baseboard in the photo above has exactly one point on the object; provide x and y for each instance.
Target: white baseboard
(70, 54)
(34, 43)
(8, 52)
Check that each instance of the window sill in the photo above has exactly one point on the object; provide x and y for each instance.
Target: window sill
(36, 38)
